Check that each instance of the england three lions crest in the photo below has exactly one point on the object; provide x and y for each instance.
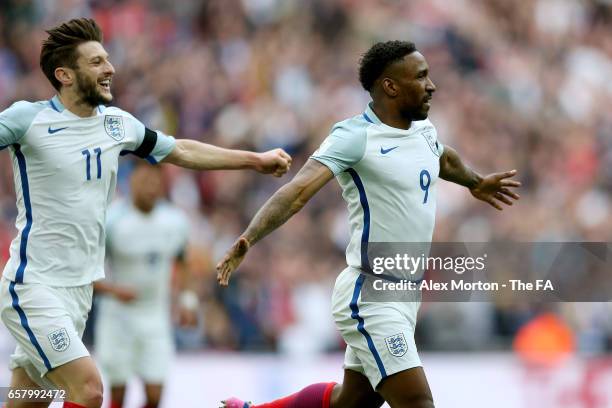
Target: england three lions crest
(60, 340)
(431, 141)
(397, 344)
(114, 127)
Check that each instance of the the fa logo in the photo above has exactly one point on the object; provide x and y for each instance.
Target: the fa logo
(397, 344)
(431, 141)
(59, 339)
(114, 127)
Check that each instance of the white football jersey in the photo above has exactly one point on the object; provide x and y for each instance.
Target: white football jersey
(65, 171)
(388, 178)
(141, 250)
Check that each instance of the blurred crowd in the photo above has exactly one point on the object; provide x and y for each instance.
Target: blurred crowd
(524, 84)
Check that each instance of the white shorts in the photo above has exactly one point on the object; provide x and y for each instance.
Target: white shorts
(379, 335)
(47, 323)
(129, 343)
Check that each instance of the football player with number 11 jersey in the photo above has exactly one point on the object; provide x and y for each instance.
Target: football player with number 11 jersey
(65, 154)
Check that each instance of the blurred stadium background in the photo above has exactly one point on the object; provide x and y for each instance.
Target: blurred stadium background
(523, 84)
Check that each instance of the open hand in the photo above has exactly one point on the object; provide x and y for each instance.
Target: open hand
(276, 162)
(231, 260)
(495, 189)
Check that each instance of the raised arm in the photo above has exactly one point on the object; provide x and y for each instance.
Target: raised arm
(195, 155)
(288, 200)
(492, 189)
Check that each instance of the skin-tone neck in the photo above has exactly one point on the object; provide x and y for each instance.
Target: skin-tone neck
(74, 104)
(387, 111)
(145, 209)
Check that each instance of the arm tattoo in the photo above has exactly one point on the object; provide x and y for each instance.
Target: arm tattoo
(452, 169)
(275, 212)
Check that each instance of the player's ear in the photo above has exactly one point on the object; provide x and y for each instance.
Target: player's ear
(389, 86)
(64, 75)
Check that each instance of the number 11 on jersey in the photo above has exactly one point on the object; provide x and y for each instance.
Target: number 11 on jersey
(87, 155)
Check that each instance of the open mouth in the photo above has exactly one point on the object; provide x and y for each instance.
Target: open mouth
(105, 84)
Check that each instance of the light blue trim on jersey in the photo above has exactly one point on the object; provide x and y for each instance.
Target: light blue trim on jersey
(365, 235)
(25, 190)
(26, 325)
(370, 116)
(361, 325)
(56, 104)
(53, 106)
(365, 265)
(164, 146)
(149, 158)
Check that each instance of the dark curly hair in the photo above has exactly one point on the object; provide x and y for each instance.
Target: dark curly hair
(374, 62)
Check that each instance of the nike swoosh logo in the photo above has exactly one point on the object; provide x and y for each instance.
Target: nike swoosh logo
(385, 151)
(52, 131)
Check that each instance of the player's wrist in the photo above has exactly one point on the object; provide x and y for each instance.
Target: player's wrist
(255, 161)
(475, 181)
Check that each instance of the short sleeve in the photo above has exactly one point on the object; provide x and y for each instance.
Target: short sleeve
(15, 121)
(343, 148)
(152, 145)
(155, 146)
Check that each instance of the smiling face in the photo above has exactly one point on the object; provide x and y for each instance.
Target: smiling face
(408, 84)
(93, 74)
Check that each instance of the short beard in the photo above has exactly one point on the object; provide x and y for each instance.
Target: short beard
(421, 116)
(88, 91)
(414, 115)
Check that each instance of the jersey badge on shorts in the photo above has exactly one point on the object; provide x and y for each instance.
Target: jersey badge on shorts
(433, 143)
(114, 127)
(397, 344)
(59, 339)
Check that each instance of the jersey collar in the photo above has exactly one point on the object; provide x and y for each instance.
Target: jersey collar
(370, 116)
(56, 105)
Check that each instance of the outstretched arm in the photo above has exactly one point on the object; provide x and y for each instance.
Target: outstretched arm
(492, 189)
(288, 200)
(195, 155)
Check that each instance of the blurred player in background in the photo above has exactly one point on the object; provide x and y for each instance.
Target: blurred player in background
(65, 156)
(387, 162)
(133, 331)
